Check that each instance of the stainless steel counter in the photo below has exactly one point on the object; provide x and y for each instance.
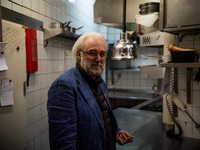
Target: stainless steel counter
(132, 98)
(149, 132)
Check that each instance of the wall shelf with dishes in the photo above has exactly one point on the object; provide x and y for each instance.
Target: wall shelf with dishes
(52, 32)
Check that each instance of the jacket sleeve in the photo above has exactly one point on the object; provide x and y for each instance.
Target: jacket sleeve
(62, 117)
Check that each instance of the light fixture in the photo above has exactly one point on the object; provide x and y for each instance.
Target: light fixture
(124, 49)
(71, 1)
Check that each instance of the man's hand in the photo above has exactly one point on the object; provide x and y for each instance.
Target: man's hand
(124, 137)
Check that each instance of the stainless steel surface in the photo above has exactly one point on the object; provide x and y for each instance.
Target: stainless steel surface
(147, 102)
(149, 132)
(132, 94)
(183, 17)
(1, 35)
(109, 12)
(124, 49)
(13, 16)
(189, 85)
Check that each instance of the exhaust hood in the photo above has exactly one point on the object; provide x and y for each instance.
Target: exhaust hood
(110, 12)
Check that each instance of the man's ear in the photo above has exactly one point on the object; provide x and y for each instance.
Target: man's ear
(78, 53)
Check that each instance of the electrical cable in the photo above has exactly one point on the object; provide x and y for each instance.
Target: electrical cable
(170, 133)
(27, 81)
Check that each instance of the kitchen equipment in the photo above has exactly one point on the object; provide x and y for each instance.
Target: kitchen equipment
(124, 49)
(147, 8)
(181, 55)
(73, 30)
(151, 72)
(58, 25)
(174, 18)
(67, 27)
(156, 38)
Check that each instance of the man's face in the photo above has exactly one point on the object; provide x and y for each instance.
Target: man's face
(93, 56)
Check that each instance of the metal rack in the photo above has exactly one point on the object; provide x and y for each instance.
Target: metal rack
(179, 65)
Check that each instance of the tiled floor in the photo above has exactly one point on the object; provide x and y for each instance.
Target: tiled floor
(149, 132)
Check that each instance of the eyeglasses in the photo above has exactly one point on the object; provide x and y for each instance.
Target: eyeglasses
(94, 53)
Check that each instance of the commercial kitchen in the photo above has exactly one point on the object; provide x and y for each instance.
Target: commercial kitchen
(152, 71)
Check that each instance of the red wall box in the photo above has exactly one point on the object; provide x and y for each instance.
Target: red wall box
(31, 50)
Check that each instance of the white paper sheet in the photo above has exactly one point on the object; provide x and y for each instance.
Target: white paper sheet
(3, 65)
(7, 92)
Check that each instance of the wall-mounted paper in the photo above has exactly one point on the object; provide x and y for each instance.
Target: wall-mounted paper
(3, 65)
(7, 92)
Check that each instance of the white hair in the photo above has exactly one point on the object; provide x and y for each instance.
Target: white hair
(79, 43)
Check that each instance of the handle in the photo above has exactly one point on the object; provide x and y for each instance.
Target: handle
(67, 23)
(79, 27)
(189, 85)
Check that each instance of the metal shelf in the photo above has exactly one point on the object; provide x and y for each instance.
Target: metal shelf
(180, 65)
(125, 70)
(51, 32)
(13, 16)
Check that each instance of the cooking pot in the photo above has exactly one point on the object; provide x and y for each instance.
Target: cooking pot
(73, 30)
(66, 26)
(59, 25)
(56, 25)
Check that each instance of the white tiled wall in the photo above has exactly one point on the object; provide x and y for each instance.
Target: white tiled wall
(51, 59)
(52, 62)
(131, 80)
(193, 109)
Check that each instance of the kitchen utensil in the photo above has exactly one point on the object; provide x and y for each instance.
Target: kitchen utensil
(73, 30)
(182, 55)
(57, 25)
(197, 76)
(173, 48)
(189, 85)
(66, 26)
(148, 8)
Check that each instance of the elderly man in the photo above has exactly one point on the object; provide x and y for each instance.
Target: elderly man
(80, 116)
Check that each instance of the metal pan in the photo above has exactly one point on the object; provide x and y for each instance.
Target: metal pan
(66, 26)
(73, 30)
(59, 25)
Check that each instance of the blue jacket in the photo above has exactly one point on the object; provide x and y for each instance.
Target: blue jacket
(75, 120)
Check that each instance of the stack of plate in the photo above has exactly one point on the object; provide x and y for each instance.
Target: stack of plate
(148, 8)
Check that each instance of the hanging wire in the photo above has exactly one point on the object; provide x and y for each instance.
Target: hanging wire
(170, 133)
